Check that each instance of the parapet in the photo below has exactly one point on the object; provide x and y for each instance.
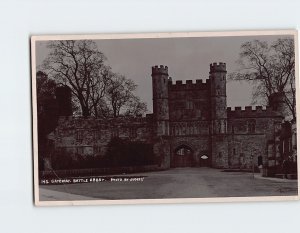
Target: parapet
(159, 70)
(92, 122)
(190, 84)
(251, 111)
(214, 67)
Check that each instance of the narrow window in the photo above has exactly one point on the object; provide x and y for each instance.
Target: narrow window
(251, 126)
(132, 132)
(79, 150)
(79, 135)
(97, 134)
(115, 133)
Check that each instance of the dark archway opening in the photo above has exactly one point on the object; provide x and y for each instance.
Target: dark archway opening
(182, 157)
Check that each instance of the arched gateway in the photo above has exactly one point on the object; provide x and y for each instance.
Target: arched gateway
(185, 155)
(182, 156)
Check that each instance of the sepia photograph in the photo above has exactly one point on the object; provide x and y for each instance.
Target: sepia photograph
(165, 117)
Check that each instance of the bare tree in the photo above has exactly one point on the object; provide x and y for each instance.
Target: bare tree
(285, 61)
(98, 87)
(135, 107)
(80, 65)
(97, 90)
(271, 69)
(121, 98)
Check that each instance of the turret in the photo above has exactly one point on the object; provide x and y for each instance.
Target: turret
(64, 100)
(219, 144)
(160, 99)
(217, 76)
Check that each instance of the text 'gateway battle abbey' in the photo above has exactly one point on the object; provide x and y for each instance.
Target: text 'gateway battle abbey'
(190, 125)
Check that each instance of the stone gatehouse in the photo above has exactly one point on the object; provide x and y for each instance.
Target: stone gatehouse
(190, 125)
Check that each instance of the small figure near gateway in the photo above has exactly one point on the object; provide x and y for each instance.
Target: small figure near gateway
(191, 126)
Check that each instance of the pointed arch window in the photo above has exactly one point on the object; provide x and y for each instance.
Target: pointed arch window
(251, 126)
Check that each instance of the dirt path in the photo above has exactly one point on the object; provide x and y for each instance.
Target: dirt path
(175, 183)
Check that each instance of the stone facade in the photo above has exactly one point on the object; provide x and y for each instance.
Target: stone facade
(190, 125)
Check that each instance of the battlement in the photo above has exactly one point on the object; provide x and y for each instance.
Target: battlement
(92, 121)
(251, 111)
(215, 67)
(190, 84)
(159, 70)
(249, 108)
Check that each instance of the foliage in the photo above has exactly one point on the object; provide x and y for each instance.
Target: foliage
(80, 65)
(47, 111)
(128, 153)
(120, 153)
(121, 98)
(135, 107)
(95, 88)
(270, 68)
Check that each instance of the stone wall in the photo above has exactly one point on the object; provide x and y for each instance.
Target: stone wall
(249, 131)
(189, 115)
(161, 150)
(200, 145)
(243, 150)
(190, 101)
(219, 151)
(183, 128)
(90, 136)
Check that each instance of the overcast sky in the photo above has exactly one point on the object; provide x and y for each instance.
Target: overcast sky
(187, 58)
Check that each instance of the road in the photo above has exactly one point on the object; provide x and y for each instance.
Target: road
(173, 183)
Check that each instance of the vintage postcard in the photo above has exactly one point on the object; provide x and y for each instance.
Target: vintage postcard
(165, 117)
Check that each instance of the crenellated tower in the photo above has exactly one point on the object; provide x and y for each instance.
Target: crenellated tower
(160, 99)
(217, 76)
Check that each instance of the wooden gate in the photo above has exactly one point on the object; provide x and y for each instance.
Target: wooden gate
(182, 157)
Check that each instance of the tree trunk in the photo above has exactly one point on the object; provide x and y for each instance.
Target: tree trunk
(84, 108)
(85, 111)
